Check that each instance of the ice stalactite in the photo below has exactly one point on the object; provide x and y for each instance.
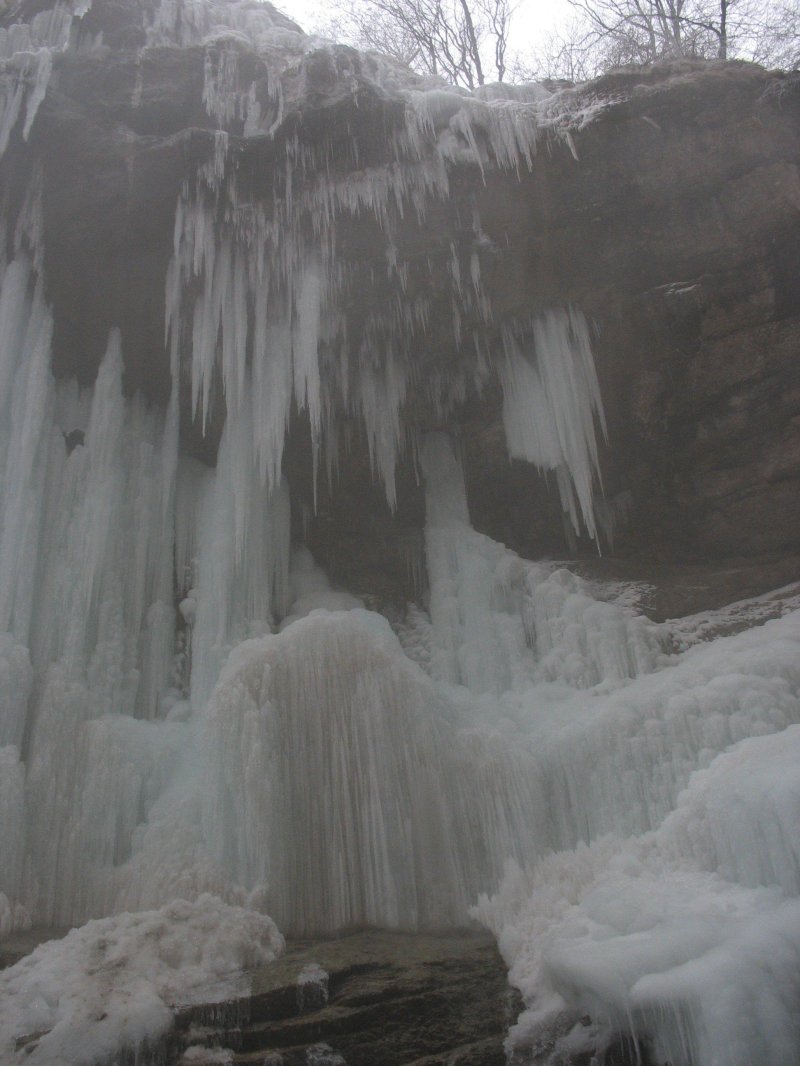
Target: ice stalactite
(260, 301)
(551, 402)
(266, 321)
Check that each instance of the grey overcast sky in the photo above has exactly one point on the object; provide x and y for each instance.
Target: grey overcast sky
(533, 19)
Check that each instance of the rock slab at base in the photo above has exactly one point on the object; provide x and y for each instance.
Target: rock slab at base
(389, 999)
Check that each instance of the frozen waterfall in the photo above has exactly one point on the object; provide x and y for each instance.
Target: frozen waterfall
(194, 724)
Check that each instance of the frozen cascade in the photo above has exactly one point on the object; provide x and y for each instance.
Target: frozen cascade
(338, 779)
(87, 534)
(672, 778)
(478, 632)
(678, 919)
(500, 623)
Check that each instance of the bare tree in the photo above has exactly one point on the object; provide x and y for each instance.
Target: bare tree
(463, 41)
(568, 53)
(776, 41)
(604, 34)
(467, 42)
(643, 31)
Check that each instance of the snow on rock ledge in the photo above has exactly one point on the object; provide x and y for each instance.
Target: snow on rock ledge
(111, 985)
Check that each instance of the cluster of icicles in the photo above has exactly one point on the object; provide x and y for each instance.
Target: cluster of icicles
(103, 518)
(271, 741)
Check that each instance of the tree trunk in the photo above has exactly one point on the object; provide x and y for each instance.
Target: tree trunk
(723, 29)
(473, 41)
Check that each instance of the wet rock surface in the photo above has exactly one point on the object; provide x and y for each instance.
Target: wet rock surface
(368, 999)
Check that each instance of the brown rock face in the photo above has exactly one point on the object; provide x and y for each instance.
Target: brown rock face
(677, 231)
(672, 220)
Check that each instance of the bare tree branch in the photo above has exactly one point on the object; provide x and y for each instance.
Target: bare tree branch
(464, 41)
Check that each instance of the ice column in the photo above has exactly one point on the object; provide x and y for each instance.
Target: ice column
(338, 782)
(476, 587)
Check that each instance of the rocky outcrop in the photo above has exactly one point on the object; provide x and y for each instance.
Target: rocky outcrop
(369, 998)
(678, 232)
(668, 210)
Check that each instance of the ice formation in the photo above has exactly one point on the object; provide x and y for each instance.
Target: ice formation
(222, 721)
(549, 405)
(108, 689)
(350, 775)
(27, 50)
(687, 936)
(109, 988)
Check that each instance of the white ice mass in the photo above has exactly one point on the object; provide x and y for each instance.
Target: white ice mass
(197, 730)
(109, 987)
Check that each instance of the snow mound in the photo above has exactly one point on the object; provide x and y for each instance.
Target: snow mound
(111, 985)
(687, 937)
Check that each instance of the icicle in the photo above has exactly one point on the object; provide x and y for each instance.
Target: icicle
(26, 64)
(550, 405)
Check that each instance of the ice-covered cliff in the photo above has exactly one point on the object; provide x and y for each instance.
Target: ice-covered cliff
(268, 303)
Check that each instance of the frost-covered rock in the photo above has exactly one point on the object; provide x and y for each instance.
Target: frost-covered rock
(110, 987)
